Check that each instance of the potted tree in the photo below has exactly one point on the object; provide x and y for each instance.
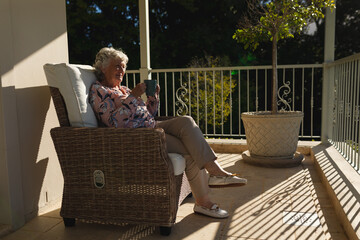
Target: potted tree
(272, 137)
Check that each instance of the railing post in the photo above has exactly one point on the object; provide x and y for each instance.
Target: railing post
(328, 76)
(327, 114)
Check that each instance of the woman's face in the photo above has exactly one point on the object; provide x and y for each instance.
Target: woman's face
(114, 72)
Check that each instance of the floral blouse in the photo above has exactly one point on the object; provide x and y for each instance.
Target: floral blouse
(118, 108)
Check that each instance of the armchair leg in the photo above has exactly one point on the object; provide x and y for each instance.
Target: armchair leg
(69, 222)
(165, 231)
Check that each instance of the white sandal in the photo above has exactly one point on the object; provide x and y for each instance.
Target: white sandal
(214, 211)
(230, 180)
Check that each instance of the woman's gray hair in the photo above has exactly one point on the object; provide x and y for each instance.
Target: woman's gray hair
(103, 58)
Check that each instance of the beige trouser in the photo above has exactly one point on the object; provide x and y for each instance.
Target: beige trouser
(184, 137)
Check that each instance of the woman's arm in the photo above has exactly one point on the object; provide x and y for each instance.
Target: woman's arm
(152, 103)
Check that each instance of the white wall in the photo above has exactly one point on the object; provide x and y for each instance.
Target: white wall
(33, 32)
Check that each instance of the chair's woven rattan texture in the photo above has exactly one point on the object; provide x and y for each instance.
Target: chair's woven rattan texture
(140, 186)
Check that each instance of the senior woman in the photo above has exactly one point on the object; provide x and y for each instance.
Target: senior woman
(118, 106)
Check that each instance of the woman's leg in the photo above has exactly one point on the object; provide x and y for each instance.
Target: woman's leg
(198, 181)
(185, 129)
(198, 178)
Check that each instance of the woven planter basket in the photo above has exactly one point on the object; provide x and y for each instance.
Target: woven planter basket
(272, 135)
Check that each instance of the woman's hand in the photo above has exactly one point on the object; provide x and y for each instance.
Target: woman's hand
(138, 90)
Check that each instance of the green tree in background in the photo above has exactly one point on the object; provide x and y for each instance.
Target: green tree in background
(183, 29)
(93, 24)
(192, 28)
(347, 38)
(179, 30)
(210, 93)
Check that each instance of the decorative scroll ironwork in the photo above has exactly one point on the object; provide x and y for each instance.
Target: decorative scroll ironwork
(181, 93)
(283, 93)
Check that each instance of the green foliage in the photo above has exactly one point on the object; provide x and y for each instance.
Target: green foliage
(210, 93)
(280, 19)
(179, 30)
(93, 24)
(347, 28)
(183, 29)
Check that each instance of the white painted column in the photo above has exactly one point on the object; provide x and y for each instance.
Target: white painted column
(144, 40)
(328, 76)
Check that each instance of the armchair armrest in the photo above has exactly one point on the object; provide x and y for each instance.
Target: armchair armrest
(140, 148)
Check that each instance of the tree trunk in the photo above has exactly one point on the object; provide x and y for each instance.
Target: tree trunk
(274, 107)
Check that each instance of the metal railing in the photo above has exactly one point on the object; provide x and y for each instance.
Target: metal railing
(216, 97)
(345, 131)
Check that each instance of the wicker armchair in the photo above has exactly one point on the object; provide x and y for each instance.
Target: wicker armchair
(115, 176)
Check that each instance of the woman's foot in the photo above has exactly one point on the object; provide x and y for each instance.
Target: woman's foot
(214, 169)
(220, 178)
(214, 211)
(229, 180)
(205, 206)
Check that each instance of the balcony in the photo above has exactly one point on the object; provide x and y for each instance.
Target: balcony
(317, 200)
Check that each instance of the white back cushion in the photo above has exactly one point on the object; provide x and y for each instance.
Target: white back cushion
(74, 82)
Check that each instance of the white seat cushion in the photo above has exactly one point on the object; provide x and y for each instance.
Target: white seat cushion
(74, 82)
(178, 162)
